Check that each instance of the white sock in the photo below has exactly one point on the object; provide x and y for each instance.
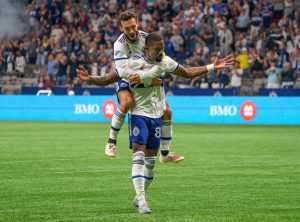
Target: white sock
(166, 135)
(116, 124)
(148, 170)
(138, 165)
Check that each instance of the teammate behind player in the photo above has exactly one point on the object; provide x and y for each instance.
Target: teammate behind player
(130, 42)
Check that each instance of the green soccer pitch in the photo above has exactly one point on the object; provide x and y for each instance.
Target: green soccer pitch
(57, 171)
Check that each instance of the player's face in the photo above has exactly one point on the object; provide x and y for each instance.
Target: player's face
(130, 29)
(156, 50)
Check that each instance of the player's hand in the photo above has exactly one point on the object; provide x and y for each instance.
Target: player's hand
(228, 61)
(156, 81)
(134, 79)
(82, 74)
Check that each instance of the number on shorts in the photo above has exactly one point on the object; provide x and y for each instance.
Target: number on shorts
(157, 132)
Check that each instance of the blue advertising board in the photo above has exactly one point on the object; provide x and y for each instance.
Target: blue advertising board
(186, 109)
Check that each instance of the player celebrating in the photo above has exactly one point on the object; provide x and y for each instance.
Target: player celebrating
(145, 124)
(132, 41)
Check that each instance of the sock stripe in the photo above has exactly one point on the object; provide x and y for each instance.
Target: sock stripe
(139, 153)
(120, 115)
(167, 123)
(137, 176)
(140, 162)
(115, 129)
(166, 138)
(148, 178)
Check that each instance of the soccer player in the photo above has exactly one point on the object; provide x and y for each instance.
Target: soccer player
(145, 124)
(132, 41)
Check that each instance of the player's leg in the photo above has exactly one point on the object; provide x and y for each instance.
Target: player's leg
(138, 132)
(166, 137)
(152, 147)
(125, 100)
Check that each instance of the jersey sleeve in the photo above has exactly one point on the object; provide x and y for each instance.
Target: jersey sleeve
(170, 65)
(121, 58)
(167, 65)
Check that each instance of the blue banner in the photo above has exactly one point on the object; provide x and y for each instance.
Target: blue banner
(186, 109)
(279, 92)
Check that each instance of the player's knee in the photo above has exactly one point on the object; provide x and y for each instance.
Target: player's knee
(167, 114)
(126, 104)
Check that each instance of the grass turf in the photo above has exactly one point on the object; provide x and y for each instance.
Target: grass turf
(57, 171)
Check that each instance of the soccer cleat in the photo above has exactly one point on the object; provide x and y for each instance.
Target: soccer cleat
(110, 150)
(135, 202)
(171, 158)
(143, 207)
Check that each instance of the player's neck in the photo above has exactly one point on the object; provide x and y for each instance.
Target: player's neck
(148, 57)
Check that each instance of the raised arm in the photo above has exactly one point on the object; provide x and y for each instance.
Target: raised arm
(110, 78)
(200, 70)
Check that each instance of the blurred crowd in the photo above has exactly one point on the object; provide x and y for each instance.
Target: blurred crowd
(264, 36)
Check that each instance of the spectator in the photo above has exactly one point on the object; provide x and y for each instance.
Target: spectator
(61, 75)
(10, 61)
(73, 65)
(258, 66)
(225, 41)
(287, 76)
(273, 75)
(32, 51)
(189, 34)
(242, 21)
(243, 60)
(236, 79)
(20, 62)
(177, 40)
(52, 66)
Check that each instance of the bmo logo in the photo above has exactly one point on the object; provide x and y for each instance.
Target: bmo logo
(248, 110)
(109, 108)
(218, 110)
(87, 109)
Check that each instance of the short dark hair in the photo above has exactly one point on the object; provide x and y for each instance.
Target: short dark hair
(127, 15)
(153, 37)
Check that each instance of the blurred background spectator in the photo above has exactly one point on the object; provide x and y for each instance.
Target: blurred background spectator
(59, 35)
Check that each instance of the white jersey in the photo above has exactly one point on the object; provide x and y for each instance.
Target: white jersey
(149, 100)
(124, 49)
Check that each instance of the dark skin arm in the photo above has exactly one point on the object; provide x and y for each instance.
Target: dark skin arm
(193, 71)
(110, 78)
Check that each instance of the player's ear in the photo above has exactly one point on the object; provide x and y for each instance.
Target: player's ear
(121, 29)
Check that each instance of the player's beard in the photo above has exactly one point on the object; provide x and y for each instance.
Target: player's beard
(159, 58)
(133, 37)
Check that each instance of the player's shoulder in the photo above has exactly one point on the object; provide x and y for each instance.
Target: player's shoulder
(143, 34)
(120, 42)
(168, 59)
(121, 39)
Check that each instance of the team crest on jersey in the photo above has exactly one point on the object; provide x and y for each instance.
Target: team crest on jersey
(135, 131)
(123, 84)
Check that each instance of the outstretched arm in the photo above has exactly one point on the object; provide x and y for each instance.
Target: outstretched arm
(192, 71)
(110, 78)
(197, 71)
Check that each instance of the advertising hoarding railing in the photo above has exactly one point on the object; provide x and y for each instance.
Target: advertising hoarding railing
(186, 109)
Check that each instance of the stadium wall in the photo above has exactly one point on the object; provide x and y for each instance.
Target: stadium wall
(186, 109)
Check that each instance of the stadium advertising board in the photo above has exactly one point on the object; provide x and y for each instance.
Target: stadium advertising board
(186, 109)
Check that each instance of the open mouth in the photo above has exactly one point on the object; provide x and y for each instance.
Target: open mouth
(132, 37)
